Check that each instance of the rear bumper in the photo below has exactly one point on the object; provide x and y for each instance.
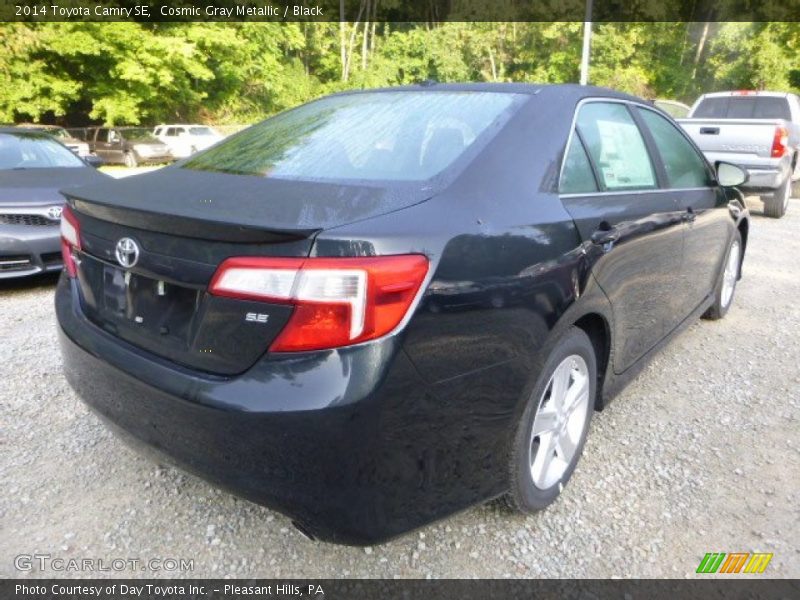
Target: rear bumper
(762, 179)
(29, 250)
(766, 174)
(349, 443)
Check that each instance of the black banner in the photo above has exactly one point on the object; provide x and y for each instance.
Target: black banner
(265, 589)
(429, 11)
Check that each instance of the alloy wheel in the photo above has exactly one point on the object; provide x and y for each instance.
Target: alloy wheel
(560, 422)
(730, 275)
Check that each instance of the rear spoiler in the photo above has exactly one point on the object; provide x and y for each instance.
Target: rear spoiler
(184, 226)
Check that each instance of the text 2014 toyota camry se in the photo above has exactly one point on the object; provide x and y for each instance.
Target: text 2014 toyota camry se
(385, 306)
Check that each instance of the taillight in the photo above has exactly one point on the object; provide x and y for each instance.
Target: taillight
(338, 301)
(779, 142)
(70, 240)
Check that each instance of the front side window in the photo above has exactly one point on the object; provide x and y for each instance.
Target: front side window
(577, 176)
(684, 166)
(616, 146)
(408, 136)
(34, 151)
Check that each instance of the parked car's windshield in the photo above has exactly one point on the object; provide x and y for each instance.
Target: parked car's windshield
(371, 136)
(139, 135)
(34, 151)
(201, 131)
(743, 107)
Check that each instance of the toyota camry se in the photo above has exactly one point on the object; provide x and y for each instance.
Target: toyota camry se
(386, 306)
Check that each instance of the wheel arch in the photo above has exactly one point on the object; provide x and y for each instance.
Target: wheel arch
(598, 329)
(744, 229)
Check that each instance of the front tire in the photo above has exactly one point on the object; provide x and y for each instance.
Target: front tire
(775, 206)
(551, 434)
(726, 288)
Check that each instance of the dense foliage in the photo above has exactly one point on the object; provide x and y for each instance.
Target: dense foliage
(130, 73)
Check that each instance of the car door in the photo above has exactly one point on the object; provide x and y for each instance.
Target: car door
(101, 146)
(108, 145)
(708, 225)
(633, 230)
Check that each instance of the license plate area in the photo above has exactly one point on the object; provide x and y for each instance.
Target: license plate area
(140, 309)
(148, 305)
(182, 324)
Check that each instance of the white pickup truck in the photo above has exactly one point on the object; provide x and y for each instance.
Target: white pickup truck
(184, 140)
(760, 131)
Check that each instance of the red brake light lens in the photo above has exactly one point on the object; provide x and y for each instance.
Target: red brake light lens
(780, 142)
(338, 301)
(70, 240)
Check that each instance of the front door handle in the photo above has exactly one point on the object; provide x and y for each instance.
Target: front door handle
(601, 237)
(689, 216)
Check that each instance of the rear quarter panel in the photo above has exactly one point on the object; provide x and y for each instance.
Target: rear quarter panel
(508, 275)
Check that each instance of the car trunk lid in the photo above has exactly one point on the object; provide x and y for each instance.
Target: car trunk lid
(183, 226)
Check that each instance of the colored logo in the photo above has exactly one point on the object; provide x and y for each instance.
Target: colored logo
(734, 562)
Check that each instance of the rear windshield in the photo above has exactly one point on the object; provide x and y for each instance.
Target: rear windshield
(406, 136)
(34, 151)
(743, 107)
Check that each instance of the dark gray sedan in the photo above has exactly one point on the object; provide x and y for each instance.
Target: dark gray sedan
(33, 168)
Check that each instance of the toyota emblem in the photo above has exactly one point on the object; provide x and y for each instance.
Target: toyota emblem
(127, 252)
(54, 213)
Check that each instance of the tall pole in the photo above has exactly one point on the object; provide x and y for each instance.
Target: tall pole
(587, 43)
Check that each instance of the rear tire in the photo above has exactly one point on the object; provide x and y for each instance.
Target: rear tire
(130, 160)
(726, 288)
(775, 206)
(552, 431)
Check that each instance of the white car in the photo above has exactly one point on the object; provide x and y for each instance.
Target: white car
(185, 140)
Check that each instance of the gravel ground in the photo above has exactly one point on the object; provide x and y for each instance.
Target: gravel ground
(701, 453)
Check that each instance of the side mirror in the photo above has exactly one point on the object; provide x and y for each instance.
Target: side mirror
(94, 161)
(730, 175)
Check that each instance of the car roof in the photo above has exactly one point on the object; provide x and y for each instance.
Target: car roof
(746, 93)
(12, 129)
(563, 91)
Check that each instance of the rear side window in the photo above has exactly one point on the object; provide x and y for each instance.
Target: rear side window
(407, 136)
(684, 166)
(744, 107)
(616, 146)
(577, 176)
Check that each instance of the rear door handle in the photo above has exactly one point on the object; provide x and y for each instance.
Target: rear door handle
(601, 237)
